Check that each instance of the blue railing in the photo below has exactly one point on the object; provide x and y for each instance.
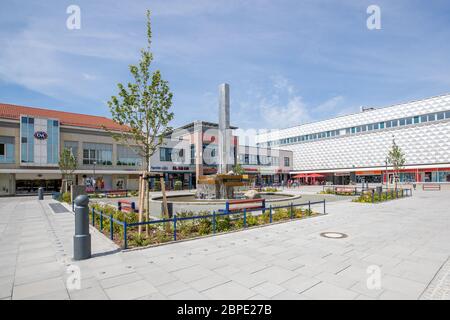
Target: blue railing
(212, 216)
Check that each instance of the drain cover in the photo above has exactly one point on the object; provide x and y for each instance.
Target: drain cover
(58, 208)
(333, 235)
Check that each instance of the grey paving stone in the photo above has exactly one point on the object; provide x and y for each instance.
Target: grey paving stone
(229, 291)
(300, 283)
(120, 280)
(174, 287)
(268, 289)
(91, 293)
(192, 273)
(38, 288)
(129, 291)
(326, 291)
(276, 274)
(189, 294)
(208, 282)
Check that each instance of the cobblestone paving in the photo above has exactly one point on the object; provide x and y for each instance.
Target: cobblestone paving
(439, 288)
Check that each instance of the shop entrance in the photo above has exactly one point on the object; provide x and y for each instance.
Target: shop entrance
(32, 186)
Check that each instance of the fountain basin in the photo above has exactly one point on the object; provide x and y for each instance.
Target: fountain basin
(188, 202)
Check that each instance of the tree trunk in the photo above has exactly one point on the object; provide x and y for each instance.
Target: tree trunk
(140, 201)
(147, 207)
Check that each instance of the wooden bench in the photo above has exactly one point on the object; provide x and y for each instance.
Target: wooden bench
(345, 190)
(126, 206)
(431, 187)
(253, 205)
(116, 193)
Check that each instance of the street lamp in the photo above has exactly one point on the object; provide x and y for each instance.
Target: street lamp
(386, 172)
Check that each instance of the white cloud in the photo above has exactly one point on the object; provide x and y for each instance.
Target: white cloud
(277, 115)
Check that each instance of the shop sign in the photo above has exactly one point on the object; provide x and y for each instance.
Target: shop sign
(180, 168)
(41, 135)
(341, 174)
(368, 173)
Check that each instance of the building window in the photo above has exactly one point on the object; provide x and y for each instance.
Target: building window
(286, 161)
(416, 120)
(409, 121)
(7, 150)
(52, 141)
(27, 140)
(72, 146)
(127, 156)
(440, 116)
(165, 154)
(192, 153)
(432, 117)
(98, 153)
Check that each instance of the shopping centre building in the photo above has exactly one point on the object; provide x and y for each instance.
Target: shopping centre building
(31, 140)
(351, 148)
(354, 148)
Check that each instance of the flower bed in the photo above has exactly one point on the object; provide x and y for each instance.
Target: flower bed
(188, 224)
(374, 197)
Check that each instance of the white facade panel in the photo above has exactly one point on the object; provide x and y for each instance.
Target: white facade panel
(423, 143)
(435, 104)
(426, 144)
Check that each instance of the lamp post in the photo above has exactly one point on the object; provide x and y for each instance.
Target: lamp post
(386, 173)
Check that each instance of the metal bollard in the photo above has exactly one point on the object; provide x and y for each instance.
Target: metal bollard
(41, 193)
(82, 238)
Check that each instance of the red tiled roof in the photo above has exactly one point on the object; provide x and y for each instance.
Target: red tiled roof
(9, 111)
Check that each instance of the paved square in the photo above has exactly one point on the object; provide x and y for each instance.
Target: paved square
(407, 240)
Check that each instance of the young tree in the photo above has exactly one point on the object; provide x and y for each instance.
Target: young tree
(143, 106)
(396, 159)
(238, 169)
(67, 164)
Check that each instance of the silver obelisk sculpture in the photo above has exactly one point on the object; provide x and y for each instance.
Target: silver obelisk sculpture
(224, 165)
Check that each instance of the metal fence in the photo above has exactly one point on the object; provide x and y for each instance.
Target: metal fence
(242, 214)
(358, 191)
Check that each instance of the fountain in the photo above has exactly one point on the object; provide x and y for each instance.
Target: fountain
(222, 184)
(213, 191)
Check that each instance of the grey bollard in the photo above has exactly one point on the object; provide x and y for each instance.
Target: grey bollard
(41, 193)
(82, 238)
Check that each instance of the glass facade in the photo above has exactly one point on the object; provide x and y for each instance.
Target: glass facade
(98, 153)
(39, 141)
(437, 116)
(7, 152)
(27, 140)
(258, 160)
(126, 156)
(52, 141)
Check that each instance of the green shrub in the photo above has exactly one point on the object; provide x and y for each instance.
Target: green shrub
(178, 185)
(66, 197)
(157, 185)
(280, 214)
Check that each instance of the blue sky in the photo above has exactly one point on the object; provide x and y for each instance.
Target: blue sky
(288, 62)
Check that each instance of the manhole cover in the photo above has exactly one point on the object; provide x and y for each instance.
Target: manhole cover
(333, 235)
